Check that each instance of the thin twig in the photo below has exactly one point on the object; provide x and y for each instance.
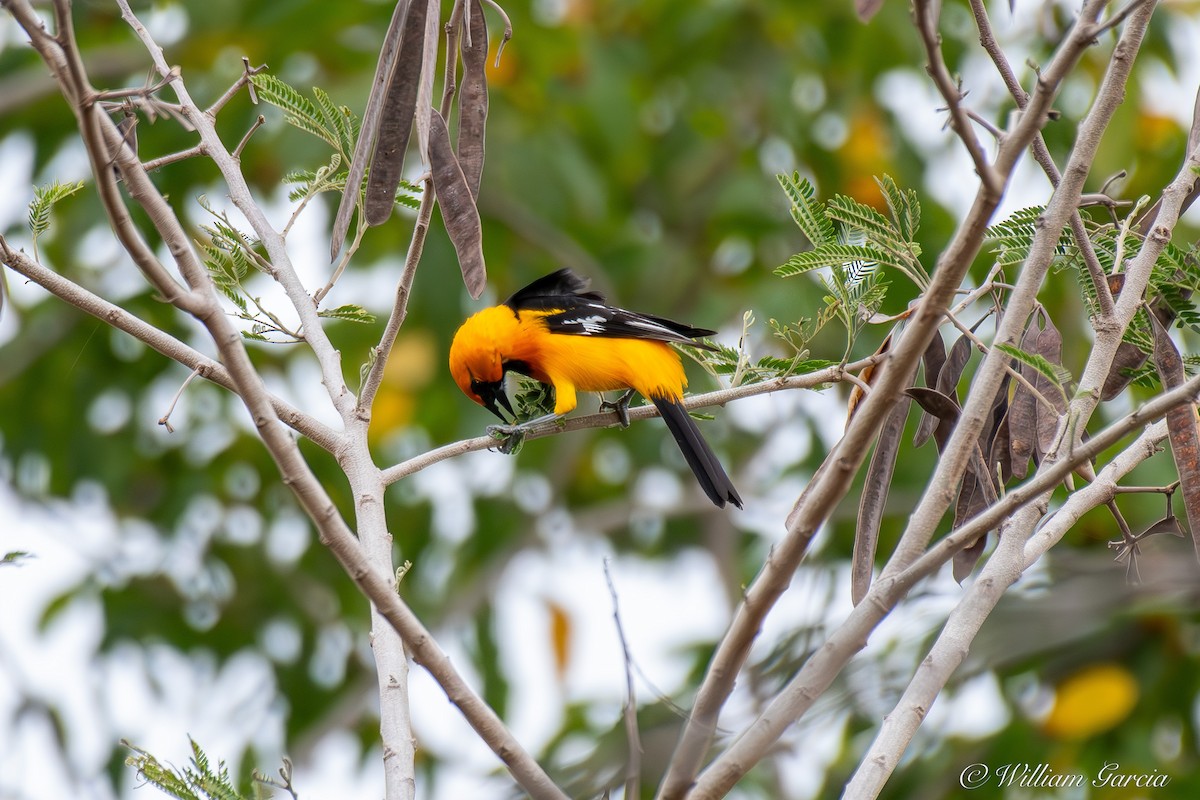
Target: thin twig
(1041, 154)
(154, 164)
(1170, 488)
(925, 14)
(159, 341)
(248, 72)
(143, 91)
(381, 352)
(508, 29)
(633, 769)
(1119, 17)
(165, 419)
(237, 151)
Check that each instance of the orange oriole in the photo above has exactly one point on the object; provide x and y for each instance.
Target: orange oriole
(557, 332)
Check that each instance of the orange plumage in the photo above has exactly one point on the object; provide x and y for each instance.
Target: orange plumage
(559, 334)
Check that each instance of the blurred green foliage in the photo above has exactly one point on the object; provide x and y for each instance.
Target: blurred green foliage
(636, 141)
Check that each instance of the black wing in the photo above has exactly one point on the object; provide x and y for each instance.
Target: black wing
(583, 313)
(562, 289)
(597, 319)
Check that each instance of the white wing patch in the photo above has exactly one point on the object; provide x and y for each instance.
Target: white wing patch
(588, 325)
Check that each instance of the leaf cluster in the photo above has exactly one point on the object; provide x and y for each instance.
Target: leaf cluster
(44, 199)
(734, 363)
(334, 124)
(230, 255)
(1174, 278)
(199, 780)
(854, 241)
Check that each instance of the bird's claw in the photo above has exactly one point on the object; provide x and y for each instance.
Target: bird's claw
(620, 406)
(511, 436)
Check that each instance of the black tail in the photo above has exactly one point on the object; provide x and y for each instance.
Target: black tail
(699, 455)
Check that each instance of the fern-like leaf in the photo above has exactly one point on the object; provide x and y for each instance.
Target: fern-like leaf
(1012, 239)
(299, 111)
(809, 214)
(44, 199)
(337, 120)
(349, 313)
(876, 227)
(836, 255)
(903, 203)
(1059, 375)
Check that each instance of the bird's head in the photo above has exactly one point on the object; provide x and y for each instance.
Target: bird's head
(478, 365)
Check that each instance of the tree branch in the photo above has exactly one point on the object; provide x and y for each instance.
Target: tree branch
(608, 419)
(1041, 154)
(1012, 557)
(925, 16)
(831, 482)
(818, 673)
(106, 146)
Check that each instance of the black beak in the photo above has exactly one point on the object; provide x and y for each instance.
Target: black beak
(493, 396)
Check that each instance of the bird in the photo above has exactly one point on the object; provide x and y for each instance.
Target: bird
(559, 333)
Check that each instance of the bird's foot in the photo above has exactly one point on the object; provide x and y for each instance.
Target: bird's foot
(513, 436)
(620, 406)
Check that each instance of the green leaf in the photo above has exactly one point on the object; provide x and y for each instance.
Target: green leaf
(199, 780)
(337, 119)
(877, 228)
(167, 780)
(838, 255)
(14, 557)
(326, 179)
(903, 203)
(349, 313)
(299, 111)
(44, 198)
(810, 215)
(532, 399)
(1058, 375)
(1012, 238)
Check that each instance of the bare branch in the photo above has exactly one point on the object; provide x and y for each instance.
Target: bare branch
(155, 164)
(925, 15)
(248, 72)
(237, 151)
(1020, 304)
(1041, 154)
(391, 330)
(508, 28)
(165, 419)
(1003, 568)
(607, 419)
(833, 480)
(820, 670)
(633, 769)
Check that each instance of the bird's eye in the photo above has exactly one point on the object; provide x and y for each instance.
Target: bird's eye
(477, 387)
